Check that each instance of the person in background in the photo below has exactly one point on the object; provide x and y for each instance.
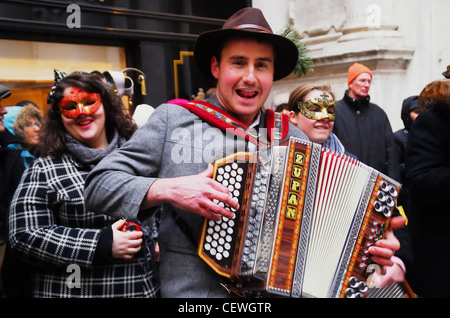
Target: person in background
(280, 103)
(11, 169)
(28, 125)
(312, 109)
(25, 123)
(428, 181)
(363, 127)
(408, 114)
(50, 226)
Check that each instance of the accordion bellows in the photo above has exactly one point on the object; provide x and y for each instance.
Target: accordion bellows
(307, 216)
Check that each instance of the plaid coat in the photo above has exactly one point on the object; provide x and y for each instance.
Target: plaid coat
(51, 229)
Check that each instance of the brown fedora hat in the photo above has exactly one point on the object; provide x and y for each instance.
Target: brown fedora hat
(247, 21)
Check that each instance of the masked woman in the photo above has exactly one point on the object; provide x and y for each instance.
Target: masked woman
(312, 109)
(74, 252)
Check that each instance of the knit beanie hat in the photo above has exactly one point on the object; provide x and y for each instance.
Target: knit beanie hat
(355, 70)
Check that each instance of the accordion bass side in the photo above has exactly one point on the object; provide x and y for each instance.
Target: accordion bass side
(306, 218)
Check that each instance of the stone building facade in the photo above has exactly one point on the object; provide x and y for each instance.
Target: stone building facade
(404, 43)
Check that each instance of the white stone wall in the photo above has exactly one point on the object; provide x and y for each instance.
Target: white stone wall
(404, 42)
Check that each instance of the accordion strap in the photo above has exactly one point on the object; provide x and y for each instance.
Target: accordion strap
(277, 124)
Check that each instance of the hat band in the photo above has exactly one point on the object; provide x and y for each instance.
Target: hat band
(252, 26)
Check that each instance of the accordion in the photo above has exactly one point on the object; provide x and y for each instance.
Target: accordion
(306, 219)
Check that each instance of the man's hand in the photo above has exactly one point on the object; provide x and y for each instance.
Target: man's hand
(384, 249)
(196, 194)
(382, 253)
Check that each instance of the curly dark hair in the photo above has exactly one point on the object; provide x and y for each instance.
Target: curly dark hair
(53, 129)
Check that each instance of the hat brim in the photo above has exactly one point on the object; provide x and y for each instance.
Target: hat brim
(4, 92)
(207, 44)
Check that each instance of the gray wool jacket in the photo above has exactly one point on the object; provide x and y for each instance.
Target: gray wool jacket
(174, 142)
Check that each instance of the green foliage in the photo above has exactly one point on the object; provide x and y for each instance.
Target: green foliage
(304, 63)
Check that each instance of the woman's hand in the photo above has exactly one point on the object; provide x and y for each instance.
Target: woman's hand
(125, 244)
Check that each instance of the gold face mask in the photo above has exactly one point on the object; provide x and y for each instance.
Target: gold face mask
(318, 108)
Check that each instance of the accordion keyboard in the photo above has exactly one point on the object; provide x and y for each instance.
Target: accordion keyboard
(254, 220)
(221, 234)
(221, 240)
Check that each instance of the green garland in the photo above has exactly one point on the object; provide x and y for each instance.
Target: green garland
(304, 63)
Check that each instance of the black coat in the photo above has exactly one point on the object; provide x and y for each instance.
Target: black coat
(11, 169)
(14, 280)
(428, 180)
(401, 135)
(365, 131)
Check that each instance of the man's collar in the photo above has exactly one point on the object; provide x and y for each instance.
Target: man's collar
(256, 121)
(356, 102)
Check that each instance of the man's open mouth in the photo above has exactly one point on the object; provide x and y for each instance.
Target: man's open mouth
(246, 93)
